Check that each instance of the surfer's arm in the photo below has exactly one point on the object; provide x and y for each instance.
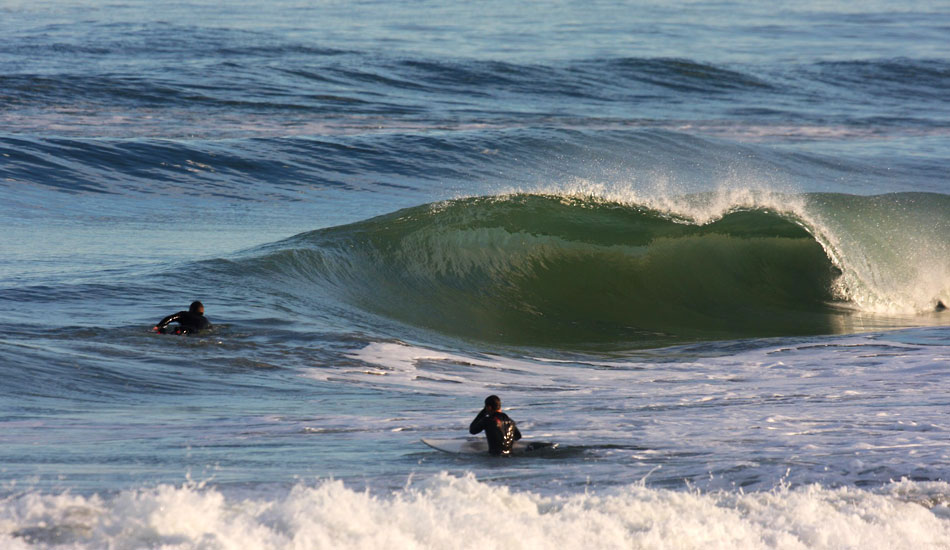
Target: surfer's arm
(168, 320)
(479, 423)
(517, 433)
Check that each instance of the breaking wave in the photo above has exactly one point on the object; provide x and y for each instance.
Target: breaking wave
(532, 269)
(450, 511)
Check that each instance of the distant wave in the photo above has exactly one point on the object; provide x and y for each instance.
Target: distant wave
(291, 83)
(293, 89)
(493, 158)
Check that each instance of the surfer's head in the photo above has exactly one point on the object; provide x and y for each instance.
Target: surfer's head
(197, 308)
(493, 403)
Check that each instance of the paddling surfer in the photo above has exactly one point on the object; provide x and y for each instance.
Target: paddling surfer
(189, 322)
(500, 430)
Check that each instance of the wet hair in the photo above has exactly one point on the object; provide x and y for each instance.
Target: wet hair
(195, 306)
(493, 402)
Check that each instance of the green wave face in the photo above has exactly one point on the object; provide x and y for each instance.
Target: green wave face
(534, 270)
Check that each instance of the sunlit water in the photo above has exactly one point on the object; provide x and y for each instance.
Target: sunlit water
(701, 247)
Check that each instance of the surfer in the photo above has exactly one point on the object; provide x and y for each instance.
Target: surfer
(189, 322)
(500, 430)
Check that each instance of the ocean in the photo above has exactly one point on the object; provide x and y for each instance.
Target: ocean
(702, 246)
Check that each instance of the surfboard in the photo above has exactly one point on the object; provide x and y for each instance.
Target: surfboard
(479, 446)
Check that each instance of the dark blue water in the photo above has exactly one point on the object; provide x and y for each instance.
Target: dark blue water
(701, 246)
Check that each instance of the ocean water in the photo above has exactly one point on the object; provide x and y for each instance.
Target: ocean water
(702, 246)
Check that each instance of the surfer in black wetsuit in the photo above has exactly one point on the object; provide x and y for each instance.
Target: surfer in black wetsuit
(500, 430)
(189, 322)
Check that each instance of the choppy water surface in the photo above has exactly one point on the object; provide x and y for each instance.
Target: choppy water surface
(703, 247)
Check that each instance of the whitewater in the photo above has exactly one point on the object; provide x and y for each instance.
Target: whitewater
(704, 247)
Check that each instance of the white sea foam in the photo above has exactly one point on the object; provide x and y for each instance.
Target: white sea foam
(408, 366)
(461, 512)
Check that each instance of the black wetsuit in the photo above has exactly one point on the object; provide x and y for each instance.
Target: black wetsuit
(500, 430)
(188, 322)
